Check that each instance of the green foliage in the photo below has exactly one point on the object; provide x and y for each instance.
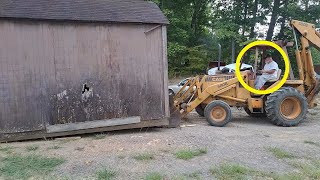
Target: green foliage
(315, 56)
(197, 27)
(25, 167)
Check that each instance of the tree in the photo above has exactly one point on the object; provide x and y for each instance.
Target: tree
(197, 26)
(274, 15)
(254, 19)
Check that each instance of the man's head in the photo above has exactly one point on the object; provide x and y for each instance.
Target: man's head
(268, 58)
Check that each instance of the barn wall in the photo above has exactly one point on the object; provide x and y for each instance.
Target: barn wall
(57, 73)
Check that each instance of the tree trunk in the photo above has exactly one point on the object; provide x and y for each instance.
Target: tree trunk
(194, 19)
(283, 19)
(245, 17)
(161, 4)
(306, 5)
(274, 16)
(254, 19)
(199, 7)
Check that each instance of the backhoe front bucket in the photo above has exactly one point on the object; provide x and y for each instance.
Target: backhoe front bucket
(175, 116)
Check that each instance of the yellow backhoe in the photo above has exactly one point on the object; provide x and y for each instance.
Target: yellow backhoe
(212, 96)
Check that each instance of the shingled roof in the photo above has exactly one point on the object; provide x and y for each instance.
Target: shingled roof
(124, 11)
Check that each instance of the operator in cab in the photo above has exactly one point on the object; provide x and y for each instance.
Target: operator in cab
(269, 72)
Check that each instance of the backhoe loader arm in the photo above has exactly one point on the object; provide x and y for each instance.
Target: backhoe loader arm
(308, 35)
(186, 101)
(308, 31)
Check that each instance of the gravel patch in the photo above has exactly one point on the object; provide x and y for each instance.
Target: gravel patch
(244, 141)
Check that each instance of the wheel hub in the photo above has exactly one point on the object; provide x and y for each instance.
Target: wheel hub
(218, 113)
(290, 108)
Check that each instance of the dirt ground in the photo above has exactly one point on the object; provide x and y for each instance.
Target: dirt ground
(244, 141)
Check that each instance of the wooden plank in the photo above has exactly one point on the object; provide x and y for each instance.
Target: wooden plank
(44, 135)
(165, 70)
(92, 124)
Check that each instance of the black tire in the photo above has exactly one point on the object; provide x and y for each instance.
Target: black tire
(286, 107)
(223, 115)
(200, 110)
(254, 114)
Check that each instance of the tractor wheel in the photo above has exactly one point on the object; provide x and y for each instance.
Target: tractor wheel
(218, 113)
(286, 107)
(254, 114)
(200, 110)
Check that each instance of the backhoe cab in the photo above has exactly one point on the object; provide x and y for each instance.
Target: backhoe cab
(212, 96)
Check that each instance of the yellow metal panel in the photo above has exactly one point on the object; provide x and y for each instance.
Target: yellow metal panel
(255, 103)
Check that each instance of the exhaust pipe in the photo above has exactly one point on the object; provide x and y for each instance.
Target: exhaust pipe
(219, 58)
(233, 51)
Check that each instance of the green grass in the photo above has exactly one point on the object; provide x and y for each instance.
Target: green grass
(189, 154)
(290, 176)
(312, 143)
(106, 174)
(144, 157)
(66, 140)
(306, 171)
(154, 176)
(54, 147)
(24, 167)
(99, 136)
(7, 149)
(303, 171)
(194, 176)
(280, 154)
(121, 156)
(232, 171)
(32, 148)
(180, 177)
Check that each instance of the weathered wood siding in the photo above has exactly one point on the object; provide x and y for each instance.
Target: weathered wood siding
(57, 73)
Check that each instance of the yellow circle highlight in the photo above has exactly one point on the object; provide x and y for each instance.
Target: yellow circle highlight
(286, 62)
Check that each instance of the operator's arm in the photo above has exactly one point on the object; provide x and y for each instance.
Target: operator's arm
(270, 68)
(268, 71)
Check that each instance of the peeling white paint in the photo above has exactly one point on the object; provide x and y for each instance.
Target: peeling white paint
(62, 95)
(87, 94)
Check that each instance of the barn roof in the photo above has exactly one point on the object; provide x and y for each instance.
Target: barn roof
(124, 11)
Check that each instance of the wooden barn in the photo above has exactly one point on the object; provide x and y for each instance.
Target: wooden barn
(81, 66)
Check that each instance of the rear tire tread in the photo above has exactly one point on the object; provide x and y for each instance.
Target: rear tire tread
(273, 107)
